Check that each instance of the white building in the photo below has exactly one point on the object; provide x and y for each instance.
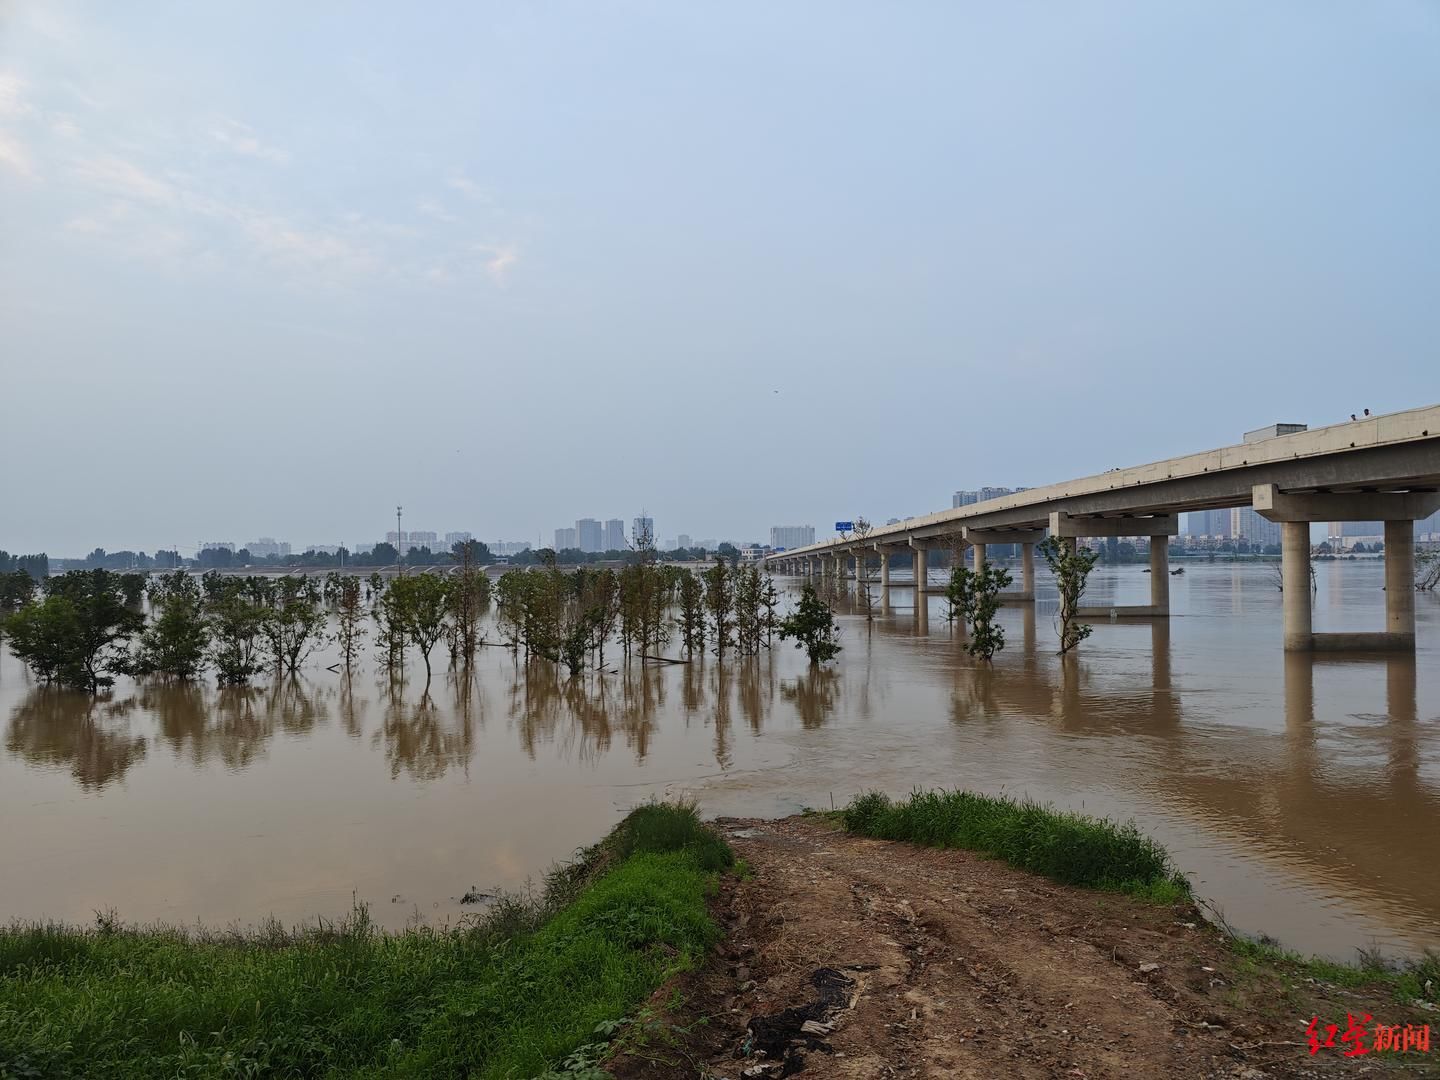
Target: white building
(791, 536)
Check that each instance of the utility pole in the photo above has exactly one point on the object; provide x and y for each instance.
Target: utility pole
(399, 540)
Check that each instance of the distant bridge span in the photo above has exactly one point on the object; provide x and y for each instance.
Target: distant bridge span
(1382, 468)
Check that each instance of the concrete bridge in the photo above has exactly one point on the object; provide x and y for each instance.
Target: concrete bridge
(1382, 468)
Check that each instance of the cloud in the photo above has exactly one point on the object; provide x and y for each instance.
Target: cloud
(467, 187)
(12, 95)
(431, 208)
(116, 176)
(240, 139)
(502, 258)
(15, 157)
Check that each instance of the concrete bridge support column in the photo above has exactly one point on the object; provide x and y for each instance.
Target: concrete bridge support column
(1026, 538)
(1295, 582)
(884, 567)
(1400, 580)
(922, 574)
(1160, 574)
(1158, 527)
(1294, 511)
(859, 565)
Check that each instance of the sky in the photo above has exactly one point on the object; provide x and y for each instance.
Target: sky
(271, 269)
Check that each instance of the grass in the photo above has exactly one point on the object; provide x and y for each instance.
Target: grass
(1407, 980)
(515, 993)
(1072, 849)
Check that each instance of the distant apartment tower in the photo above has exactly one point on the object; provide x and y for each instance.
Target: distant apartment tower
(642, 531)
(1212, 523)
(268, 546)
(564, 538)
(987, 493)
(399, 540)
(453, 538)
(614, 535)
(424, 539)
(964, 498)
(217, 545)
(683, 541)
(1246, 524)
(506, 548)
(589, 535)
(791, 536)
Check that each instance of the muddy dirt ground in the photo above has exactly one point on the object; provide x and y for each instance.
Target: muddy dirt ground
(912, 962)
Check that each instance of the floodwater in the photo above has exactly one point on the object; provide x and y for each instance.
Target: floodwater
(1302, 795)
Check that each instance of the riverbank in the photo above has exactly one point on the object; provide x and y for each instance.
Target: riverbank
(926, 962)
(534, 982)
(836, 942)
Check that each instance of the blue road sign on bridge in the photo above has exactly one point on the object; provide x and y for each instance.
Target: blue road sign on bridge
(844, 526)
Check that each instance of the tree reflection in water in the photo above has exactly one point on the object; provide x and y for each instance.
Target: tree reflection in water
(420, 738)
(88, 734)
(814, 695)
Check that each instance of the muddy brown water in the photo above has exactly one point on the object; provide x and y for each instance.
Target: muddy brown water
(1302, 795)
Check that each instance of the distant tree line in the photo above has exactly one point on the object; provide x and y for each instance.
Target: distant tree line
(37, 566)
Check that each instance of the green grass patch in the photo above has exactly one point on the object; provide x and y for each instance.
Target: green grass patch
(1408, 980)
(1069, 848)
(540, 979)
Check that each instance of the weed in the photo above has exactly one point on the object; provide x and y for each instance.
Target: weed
(1070, 848)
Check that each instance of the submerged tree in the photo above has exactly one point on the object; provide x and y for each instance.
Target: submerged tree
(422, 606)
(294, 624)
(469, 595)
(235, 623)
(175, 642)
(720, 602)
(973, 596)
(812, 625)
(76, 635)
(349, 618)
(691, 617)
(1071, 566)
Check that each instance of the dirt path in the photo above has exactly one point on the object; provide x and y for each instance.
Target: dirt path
(943, 964)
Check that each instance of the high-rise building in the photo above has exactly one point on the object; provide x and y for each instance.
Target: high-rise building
(423, 539)
(564, 538)
(614, 535)
(683, 541)
(791, 536)
(589, 535)
(506, 548)
(1212, 523)
(453, 538)
(1428, 529)
(964, 498)
(400, 540)
(267, 546)
(217, 545)
(1246, 524)
(642, 531)
(987, 493)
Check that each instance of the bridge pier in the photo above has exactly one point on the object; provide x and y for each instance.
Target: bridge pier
(1158, 527)
(1026, 538)
(884, 552)
(922, 570)
(1295, 511)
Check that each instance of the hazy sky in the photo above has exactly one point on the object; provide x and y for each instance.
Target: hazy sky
(272, 268)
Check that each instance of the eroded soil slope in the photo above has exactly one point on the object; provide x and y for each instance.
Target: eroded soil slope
(850, 957)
